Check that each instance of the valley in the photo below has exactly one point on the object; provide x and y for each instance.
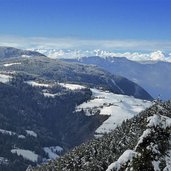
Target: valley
(51, 106)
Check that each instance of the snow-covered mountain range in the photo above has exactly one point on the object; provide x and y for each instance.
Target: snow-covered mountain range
(135, 56)
(150, 70)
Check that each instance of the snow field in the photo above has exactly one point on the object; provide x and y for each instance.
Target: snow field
(27, 154)
(118, 107)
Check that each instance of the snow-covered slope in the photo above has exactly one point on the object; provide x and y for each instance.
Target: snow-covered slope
(72, 86)
(140, 144)
(10, 64)
(31, 133)
(53, 151)
(45, 87)
(4, 78)
(26, 154)
(148, 147)
(11, 133)
(119, 107)
(36, 84)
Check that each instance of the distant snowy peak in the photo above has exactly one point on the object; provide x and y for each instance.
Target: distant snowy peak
(135, 56)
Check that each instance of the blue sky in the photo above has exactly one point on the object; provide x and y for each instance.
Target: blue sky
(87, 23)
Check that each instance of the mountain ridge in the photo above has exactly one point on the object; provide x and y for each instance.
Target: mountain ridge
(63, 71)
(38, 113)
(153, 76)
(11, 52)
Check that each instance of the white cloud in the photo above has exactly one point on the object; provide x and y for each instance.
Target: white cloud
(73, 43)
(135, 56)
(86, 47)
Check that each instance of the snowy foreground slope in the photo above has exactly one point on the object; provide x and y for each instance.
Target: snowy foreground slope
(151, 145)
(118, 107)
(142, 143)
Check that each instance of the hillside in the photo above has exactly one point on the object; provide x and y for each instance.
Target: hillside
(44, 103)
(10, 52)
(75, 73)
(31, 120)
(151, 75)
(139, 144)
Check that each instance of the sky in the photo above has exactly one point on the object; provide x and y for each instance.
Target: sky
(117, 25)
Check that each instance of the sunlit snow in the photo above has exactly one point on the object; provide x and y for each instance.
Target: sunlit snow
(31, 133)
(3, 131)
(10, 64)
(7, 132)
(5, 78)
(3, 160)
(53, 151)
(168, 160)
(65, 85)
(135, 56)
(49, 94)
(119, 107)
(72, 86)
(124, 158)
(26, 154)
(36, 84)
(159, 120)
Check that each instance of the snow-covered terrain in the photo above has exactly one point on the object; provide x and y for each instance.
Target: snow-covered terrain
(155, 123)
(7, 132)
(66, 85)
(26, 56)
(124, 158)
(72, 86)
(3, 131)
(158, 120)
(26, 154)
(3, 160)
(119, 107)
(5, 78)
(21, 136)
(36, 84)
(10, 64)
(31, 133)
(46, 92)
(53, 151)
